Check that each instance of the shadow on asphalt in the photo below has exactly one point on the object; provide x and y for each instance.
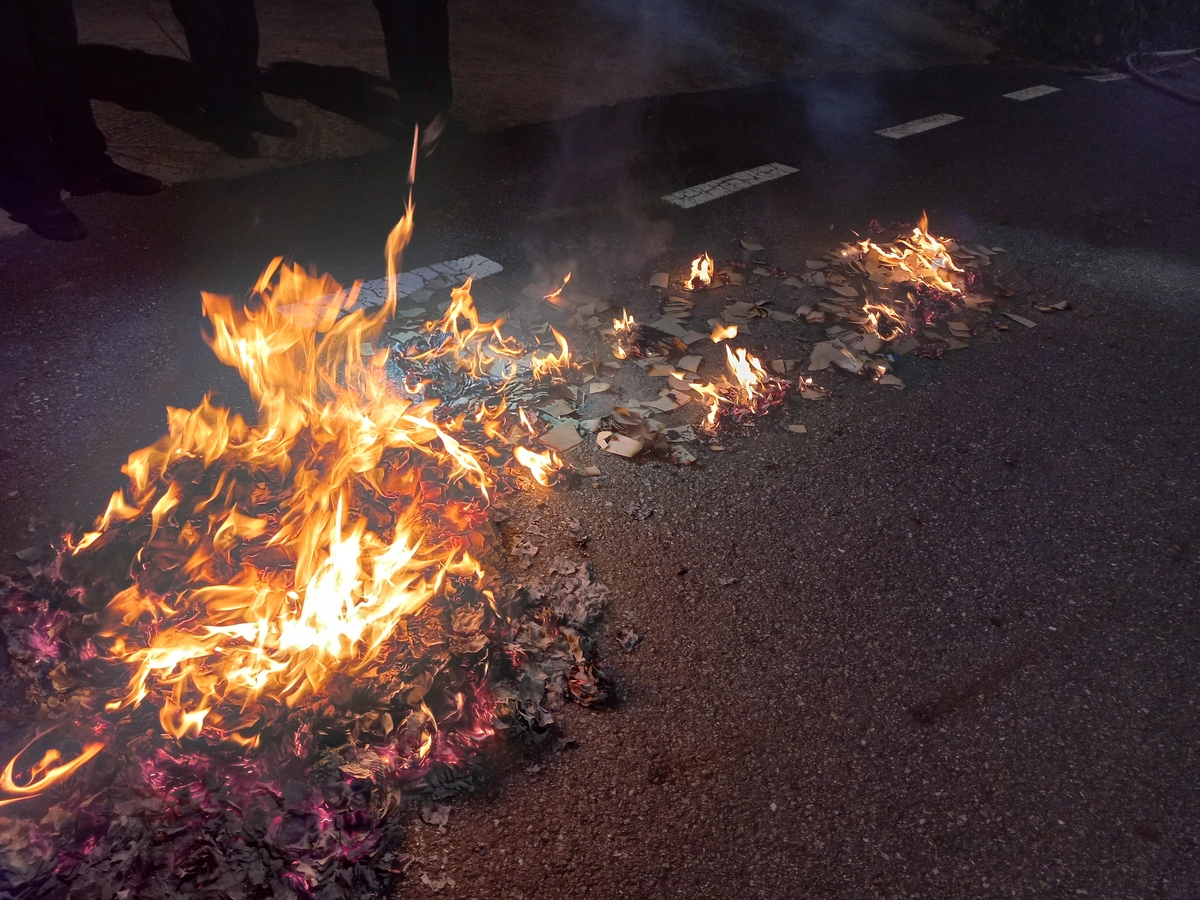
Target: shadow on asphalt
(170, 88)
(345, 91)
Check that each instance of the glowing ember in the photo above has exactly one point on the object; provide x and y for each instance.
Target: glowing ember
(702, 271)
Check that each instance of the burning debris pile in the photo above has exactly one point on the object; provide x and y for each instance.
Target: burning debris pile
(279, 631)
(877, 301)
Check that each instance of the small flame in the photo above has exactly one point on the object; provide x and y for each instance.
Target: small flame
(540, 465)
(551, 363)
(749, 373)
(723, 333)
(529, 426)
(701, 274)
(44, 773)
(923, 257)
(622, 331)
(881, 312)
(714, 397)
(555, 297)
(751, 380)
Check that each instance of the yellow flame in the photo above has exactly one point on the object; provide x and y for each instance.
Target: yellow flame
(555, 297)
(44, 773)
(552, 363)
(923, 257)
(723, 333)
(540, 465)
(701, 274)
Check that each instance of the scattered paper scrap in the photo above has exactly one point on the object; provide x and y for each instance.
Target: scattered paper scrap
(828, 353)
(1021, 320)
(562, 437)
(690, 363)
(797, 429)
(558, 409)
(660, 280)
(619, 444)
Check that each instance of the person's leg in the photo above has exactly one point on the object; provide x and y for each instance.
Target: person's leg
(28, 178)
(203, 24)
(436, 27)
(239, 45)
(403, 41)
(241, 48)
(78, 144)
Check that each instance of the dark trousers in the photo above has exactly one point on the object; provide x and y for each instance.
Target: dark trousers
(46, 121)
(222, 39)
(416, 34)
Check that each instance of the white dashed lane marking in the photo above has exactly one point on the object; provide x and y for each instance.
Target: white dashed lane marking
(918, 125)
(1029, 93)
(1107, 76)
(374, 293)
(721, 187)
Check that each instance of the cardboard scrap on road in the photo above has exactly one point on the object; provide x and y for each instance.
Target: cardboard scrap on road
(562, 437)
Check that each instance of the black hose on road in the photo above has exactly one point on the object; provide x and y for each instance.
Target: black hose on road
(1157, 84)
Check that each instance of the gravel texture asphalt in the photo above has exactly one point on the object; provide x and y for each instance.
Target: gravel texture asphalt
(959, 658)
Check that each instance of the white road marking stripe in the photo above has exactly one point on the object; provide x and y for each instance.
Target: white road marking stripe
(374, 293)
(738, 181)
(918, 125)
(1029, 93)
(1107, 76)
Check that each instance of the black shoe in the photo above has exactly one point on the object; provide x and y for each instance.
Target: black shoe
(113, 178)
(51, 219)
(262, 120)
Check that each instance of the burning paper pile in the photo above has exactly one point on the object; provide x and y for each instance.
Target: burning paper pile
(895, 295)
(277, 627)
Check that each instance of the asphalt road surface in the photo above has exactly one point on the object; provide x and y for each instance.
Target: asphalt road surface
(960, 656)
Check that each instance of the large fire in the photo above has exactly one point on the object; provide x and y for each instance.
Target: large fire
(273, 556)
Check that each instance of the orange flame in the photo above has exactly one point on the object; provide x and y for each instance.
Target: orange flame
(750, 377)
(622, 330)
(44, 773)
(923, 257)
(555, 297)
(702, 271)
(748, 371)
(551, 363)
(238, 639)
(540, 465)
(877, 312)
(723, 333)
